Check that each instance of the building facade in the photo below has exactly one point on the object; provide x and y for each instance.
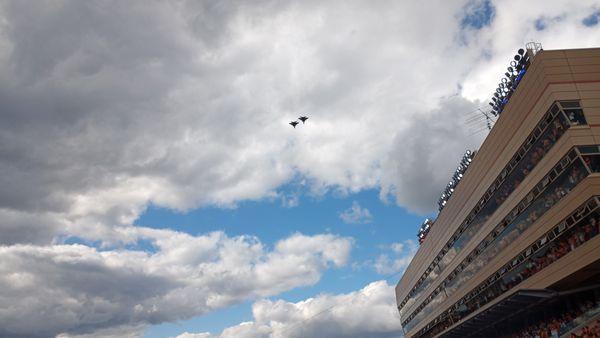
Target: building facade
(520, 232)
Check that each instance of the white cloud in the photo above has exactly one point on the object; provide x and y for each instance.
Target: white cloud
(356, 214)
(100, 120)
(511, 29)
(397, 247)
(110, 107)
(75, 289)
(291, 200)
(194, 335)
(403, 253)
(344, 315)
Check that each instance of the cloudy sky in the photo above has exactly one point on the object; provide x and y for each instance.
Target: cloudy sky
(150, 185)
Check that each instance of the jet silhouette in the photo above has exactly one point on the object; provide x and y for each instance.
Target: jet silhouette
(303, 119)
(294, 124)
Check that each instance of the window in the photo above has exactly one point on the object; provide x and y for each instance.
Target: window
(536, 258)
(524, 214)
(550, 128)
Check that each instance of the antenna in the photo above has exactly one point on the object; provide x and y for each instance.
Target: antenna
(479, 120)
(489, 121)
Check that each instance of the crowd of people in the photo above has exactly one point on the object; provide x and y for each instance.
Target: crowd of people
(531, 158)
(592, 330)
(556, 249)
(535, 154)
(509, 232)
(593, 162)
(565, 243)
(555, 130)
(575, 116)
(564, 321)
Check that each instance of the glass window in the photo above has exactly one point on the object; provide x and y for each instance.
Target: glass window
(589, 149)
(554, 191)
(521, 165)
(593, 162)
(575, 116)
(539, 256)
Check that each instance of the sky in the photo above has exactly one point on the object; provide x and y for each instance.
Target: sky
(150, 185)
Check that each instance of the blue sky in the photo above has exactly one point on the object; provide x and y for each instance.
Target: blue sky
(270, 221)
(478, 14)
(151, 185)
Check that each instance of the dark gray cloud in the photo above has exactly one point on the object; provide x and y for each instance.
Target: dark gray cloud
(23, 227)
(426, 153)
(71, 289)
(88, 104)
(75, 82)
(74, 289)
(110, 106)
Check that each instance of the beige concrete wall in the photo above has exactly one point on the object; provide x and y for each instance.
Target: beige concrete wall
(554, 75)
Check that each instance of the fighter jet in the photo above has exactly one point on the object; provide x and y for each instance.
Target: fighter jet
(294, 124)
(303, 119)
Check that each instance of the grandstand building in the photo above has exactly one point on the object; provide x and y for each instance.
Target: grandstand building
(516, 247)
